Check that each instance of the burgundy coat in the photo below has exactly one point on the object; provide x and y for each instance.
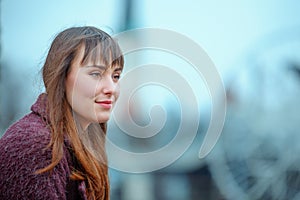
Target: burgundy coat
(23, 151)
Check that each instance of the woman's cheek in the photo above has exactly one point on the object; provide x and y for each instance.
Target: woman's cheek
(117, 93)
(87, 87)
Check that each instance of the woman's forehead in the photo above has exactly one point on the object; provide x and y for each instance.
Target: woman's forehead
(101, 63)
(98, 55)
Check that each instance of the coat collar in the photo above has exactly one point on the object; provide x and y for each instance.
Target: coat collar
(40, 106)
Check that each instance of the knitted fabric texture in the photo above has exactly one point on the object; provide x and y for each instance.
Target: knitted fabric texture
(23, 151)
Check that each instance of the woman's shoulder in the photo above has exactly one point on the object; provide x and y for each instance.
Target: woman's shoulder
(23, 150)
(29, 129)
(32, 128)
(25, 139)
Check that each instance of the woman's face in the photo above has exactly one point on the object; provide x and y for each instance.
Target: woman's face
(92, 90)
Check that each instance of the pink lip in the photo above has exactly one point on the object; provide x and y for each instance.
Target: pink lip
(105, 104)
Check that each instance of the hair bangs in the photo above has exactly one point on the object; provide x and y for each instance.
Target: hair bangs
(106, 52)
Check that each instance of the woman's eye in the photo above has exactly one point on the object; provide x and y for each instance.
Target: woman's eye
(116, 77)
(95, 74)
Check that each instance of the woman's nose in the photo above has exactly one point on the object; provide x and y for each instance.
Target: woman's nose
(107, 85)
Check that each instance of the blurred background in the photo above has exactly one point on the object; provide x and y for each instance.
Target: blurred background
(255, 45)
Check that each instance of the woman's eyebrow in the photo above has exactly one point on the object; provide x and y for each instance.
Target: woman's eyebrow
(118, 69)
(102, 67)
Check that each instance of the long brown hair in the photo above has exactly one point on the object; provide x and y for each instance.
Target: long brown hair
(89, 149)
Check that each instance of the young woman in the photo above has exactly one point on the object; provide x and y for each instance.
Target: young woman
(57, 151)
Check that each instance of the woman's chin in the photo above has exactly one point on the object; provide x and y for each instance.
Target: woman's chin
(103, 119)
